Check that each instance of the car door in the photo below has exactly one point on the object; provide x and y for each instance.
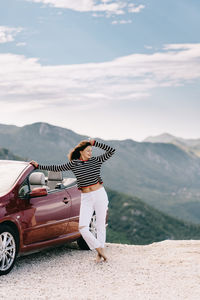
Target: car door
(47, 217)
(75, 196)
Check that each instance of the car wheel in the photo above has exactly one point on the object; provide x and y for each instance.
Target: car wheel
(81, 242)
(8, 249)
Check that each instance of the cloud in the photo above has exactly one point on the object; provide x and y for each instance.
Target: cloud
(7, 34)
(130, 78)
(109, 7)
(132, 8)
(21, 44)
(121, 22)
(148, 47)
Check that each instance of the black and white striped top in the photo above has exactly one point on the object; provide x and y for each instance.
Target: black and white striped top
(87, 172)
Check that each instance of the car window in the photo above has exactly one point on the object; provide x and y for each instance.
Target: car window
(24, 189)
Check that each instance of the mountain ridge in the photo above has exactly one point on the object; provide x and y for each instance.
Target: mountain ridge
(163, 175)
(188, 145)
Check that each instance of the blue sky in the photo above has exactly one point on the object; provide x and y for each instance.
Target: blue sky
(109, 69)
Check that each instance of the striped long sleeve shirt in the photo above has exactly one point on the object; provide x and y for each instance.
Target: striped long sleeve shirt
(87, 172)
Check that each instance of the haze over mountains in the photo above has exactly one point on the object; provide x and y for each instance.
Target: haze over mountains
(162, 174)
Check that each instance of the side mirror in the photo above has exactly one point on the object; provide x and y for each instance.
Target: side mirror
(38, 192)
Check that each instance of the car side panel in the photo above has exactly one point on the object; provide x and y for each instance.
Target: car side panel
(46, 217)
(75, 196)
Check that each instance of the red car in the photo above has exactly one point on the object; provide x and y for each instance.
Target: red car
(36, 212)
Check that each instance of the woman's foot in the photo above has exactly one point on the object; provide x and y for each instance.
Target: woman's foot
(98, 258)
(101, 254)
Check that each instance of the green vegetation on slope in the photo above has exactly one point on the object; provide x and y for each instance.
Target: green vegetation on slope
(6, 154)
(132, 221)
(163, 175)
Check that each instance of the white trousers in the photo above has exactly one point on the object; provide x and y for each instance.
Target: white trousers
(94, 201)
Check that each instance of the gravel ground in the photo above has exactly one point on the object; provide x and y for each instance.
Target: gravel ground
(165, 270)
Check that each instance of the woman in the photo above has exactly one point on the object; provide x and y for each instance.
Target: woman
(93, 195)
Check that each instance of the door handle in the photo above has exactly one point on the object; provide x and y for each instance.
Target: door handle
(65, 200)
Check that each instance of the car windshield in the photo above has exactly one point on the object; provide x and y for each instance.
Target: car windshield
(9, 172)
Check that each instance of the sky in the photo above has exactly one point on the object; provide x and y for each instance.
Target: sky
(103, 68)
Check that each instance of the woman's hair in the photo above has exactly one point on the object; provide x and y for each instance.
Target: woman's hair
(75, 153)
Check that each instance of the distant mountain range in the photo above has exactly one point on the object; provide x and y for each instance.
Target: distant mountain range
(131, 221)
(189, 145)
(161, 174)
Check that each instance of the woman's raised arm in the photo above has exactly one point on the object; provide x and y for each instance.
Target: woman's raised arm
(109, 151)
(55, 168)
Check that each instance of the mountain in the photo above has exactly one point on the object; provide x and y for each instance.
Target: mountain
(161, 174)
(32, 141)
(189, 145)
(131, 221)
(6, 154)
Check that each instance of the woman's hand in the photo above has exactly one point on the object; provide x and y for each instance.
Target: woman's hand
(34, 163)
(91, 141)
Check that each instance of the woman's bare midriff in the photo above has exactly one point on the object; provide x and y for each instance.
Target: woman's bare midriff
(91, 188)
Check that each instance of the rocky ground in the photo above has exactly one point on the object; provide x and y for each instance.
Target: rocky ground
(165, 270)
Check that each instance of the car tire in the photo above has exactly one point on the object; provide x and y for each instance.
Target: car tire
(8, 249)
(81, 242)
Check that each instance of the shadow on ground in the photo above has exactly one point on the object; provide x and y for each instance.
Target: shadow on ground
(47, 254)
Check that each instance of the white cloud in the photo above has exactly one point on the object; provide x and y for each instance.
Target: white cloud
(7, 34)
(109, 7)
(133, 8)
(25, 80)
(148, 47)
(121, 22)
(84, 5)
(21, 44)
